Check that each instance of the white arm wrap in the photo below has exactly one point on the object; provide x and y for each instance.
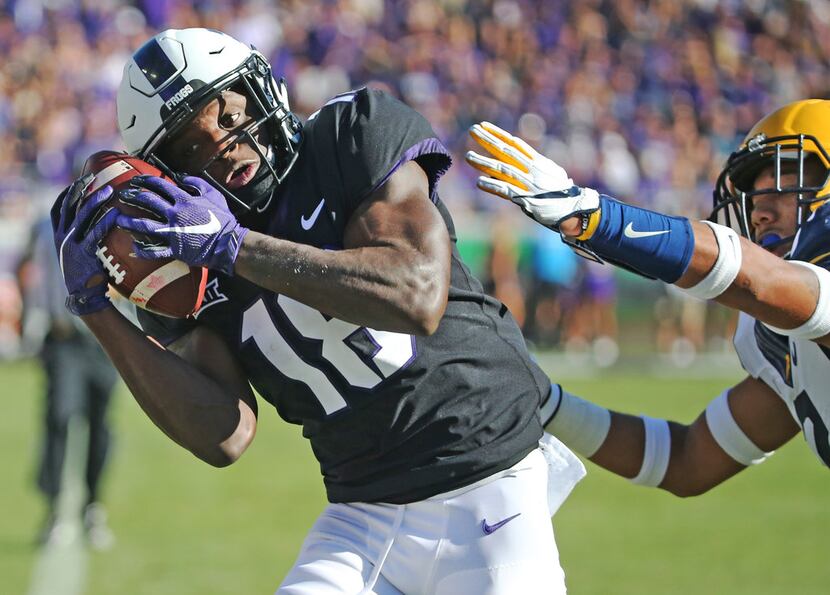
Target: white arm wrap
(656, 452)
(818, 324)
(728, 434)
(578, 423)
(726, 266)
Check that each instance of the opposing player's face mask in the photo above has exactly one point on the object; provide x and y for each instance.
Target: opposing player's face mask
(768, 194)
(782, 165)
(773, 211)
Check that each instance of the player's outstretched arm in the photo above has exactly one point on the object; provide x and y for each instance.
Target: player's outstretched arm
(740, 427)
(206, 406)
(709, 261)
(783, 294)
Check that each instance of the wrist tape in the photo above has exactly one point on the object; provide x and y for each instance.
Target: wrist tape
(656, 452)
(728, 434)
(726, 267)
(818, 324)
(578, 423)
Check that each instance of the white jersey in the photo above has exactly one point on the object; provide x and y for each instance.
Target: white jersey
(797, 370)
(811, 402)
(764, 355)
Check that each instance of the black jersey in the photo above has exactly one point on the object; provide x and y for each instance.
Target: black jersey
(391, 417)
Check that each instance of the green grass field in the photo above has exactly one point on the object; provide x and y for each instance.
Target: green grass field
(185, 528)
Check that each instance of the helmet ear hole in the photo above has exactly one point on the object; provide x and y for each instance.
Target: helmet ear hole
(815, 172)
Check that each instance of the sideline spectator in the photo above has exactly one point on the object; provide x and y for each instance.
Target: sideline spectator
(553, 292)
(79, 383)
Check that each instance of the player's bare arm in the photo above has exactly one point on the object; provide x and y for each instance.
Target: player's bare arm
(208, 408)
(194, 391)
(708, 260)
(766, 287)
(739, 428)
(392, 274)
(697, 462)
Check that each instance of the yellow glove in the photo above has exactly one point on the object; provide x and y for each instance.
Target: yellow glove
(518, 173)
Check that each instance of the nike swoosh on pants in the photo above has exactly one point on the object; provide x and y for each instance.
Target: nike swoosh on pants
(496, 526)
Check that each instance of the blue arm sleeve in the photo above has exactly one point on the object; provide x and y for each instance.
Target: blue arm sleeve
(654, 244)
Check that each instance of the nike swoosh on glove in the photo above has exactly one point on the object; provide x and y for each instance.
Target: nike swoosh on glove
(518, 173)
(196, 225)
(78, 233)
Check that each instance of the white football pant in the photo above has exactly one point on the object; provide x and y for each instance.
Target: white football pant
(491, 537)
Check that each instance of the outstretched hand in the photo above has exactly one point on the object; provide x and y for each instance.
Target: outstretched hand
(518, 173)
(78, 231)
(196, 225)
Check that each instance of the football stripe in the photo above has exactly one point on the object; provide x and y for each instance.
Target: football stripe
(158, 280)
(109, 173)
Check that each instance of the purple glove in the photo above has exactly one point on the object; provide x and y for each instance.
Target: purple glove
(77, 236)
(196, 227)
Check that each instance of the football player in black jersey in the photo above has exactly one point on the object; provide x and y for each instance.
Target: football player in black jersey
(337, 292)
(775, 189)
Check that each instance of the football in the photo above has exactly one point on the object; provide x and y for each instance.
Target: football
(165, 286)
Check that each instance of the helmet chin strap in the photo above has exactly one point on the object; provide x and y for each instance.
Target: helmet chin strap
(772, 241)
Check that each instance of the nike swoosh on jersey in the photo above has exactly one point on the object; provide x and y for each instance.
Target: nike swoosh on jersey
(630, 232)
(212, 226)
(309, 223)
(496, 526)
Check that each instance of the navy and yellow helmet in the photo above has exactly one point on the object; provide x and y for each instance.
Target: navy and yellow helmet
(788, 138)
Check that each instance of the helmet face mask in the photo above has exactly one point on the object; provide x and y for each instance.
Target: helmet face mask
(204, 65)
(780, 142)
(735, 191)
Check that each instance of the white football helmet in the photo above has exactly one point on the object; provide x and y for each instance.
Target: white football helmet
(177, 72)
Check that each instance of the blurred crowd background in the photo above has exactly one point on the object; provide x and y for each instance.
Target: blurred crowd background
(643, 100)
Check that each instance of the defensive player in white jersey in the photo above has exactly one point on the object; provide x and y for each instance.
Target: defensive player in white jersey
(774, 189)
